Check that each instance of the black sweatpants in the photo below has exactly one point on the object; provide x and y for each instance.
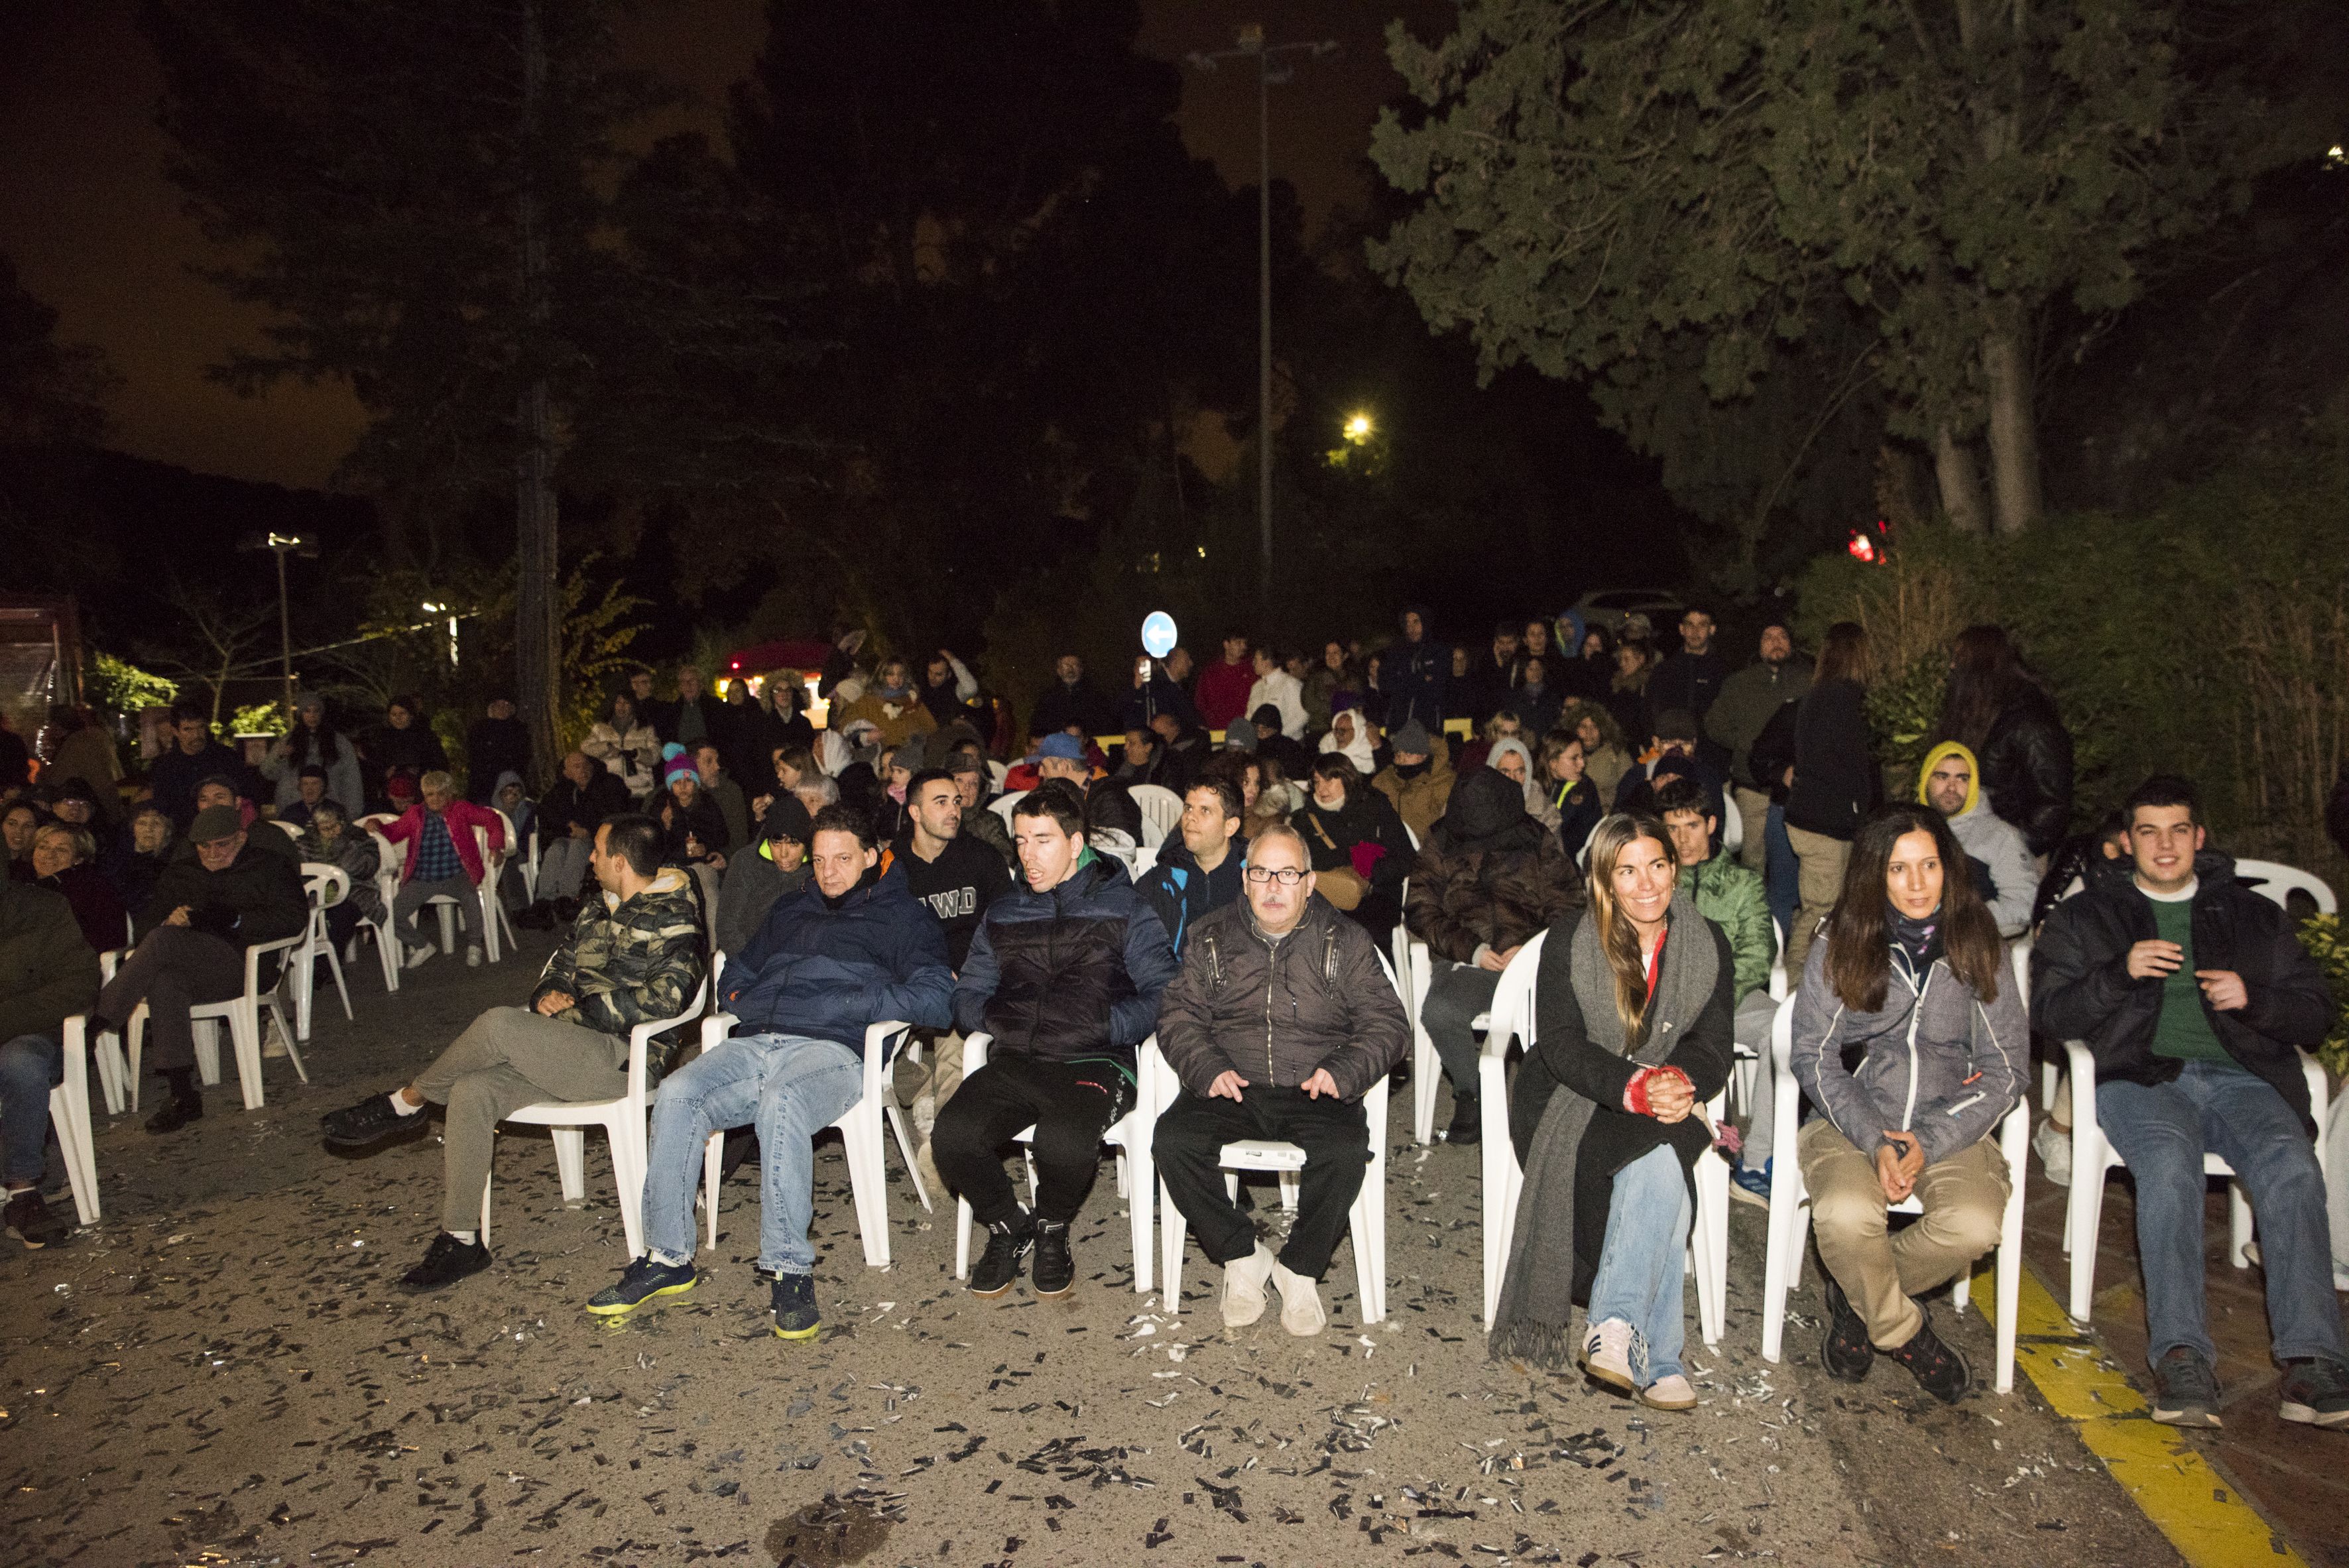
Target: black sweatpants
(1070, 1104)
(1334, 1134)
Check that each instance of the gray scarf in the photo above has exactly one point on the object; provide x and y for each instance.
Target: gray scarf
(1536, 1306)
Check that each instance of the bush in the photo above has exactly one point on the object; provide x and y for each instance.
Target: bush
(2322, 934)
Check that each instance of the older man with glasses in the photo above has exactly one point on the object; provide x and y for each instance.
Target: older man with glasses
(1279, 1022)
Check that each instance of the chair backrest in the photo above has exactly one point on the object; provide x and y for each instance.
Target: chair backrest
(1732, 829)
(1144, 862)
(1411, 836)
(1160, 807)
(1002, 804)
(326, 885)
(1512, 1012)
(997, 772)
(1779, 984)
(2277, 882)
(291, 830)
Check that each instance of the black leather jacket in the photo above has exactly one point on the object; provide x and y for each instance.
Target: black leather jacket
(2026, 769)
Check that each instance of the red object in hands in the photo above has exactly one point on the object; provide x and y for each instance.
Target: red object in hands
(1365, 855)
(1635, 1093)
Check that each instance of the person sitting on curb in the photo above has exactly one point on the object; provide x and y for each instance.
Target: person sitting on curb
(853, 950)
(1065, 974)
(631, 955)
(1336, 1028)
(1910, 1038)
(444, 861)
(2195, 997)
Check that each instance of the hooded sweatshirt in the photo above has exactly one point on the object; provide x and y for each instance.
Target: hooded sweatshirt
(1994, 844)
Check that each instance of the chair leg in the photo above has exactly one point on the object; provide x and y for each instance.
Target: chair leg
(1774, 1269)
(1140, 1184)
(111, 1073)
(2047, 1086)
(335, 967)
(962, 1238)
(627, 1175)
(135, 1033)
(1494, 1154)
(713, 1155)
(292, 1046)
(486, 1183)
(571, 1162)
(305, 959)
(208, 1063)
(2238, 1225)
(862, 1132)
(73, 1142)
(1171, 1234)
(905, 1149)
(1426, 1067)
(244, 1034)
(448, 927)
(2086, 1215)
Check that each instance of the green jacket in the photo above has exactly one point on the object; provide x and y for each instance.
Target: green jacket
(631, 963)
(1730, 895)
(46, 971)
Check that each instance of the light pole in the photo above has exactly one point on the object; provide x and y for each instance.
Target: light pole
(281, 545)
(1269, 76)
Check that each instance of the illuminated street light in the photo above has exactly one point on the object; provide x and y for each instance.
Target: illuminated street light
(1358, 429)
(450, 610)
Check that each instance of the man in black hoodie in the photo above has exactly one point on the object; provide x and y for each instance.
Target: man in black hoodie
(2196, 999)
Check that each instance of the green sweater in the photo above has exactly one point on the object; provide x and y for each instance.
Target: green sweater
(2183, 1032)
(1730, 896)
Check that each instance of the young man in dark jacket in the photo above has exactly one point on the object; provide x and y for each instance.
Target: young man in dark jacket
(854, 950)
(193, 757)
(634, 954)
(47, 972)
(1279, 1022)
(1065, 975)
(1748, 701)
(203, 915)
(1417, 675)
(1198, 872)
(494, 744)
(2196, 999)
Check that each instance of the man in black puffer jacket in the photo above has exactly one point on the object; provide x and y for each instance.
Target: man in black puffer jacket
(1064, 975)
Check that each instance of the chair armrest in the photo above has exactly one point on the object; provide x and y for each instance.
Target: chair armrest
(714, 1028)
(877, 1036)
(2317, 1092)
(2083, 1064)
(252, 957)
(110, 960)
(974, 1051)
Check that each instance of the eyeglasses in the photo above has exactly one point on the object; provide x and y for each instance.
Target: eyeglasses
(1286, 876)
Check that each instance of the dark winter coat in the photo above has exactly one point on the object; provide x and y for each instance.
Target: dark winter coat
(1488, 876)
(2026, 769)
(1277, 1012)
(97, 908)
(1068, 974)
(2081, 989)
(495, 746)
(257, 897)
(47, 972)
(1367, 819)
(1836, 781)
(1061, 705)
(175, 775)
(1416, 680)
(1690, 682)
(830, 969)
(1748, 701)
(566, 804)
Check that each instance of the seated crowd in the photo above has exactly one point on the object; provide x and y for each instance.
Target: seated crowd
(1221, 861)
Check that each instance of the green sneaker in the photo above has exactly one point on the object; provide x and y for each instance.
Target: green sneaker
(796, 1317)
(642, 1281)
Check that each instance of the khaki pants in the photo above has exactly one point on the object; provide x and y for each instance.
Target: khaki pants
(1823, 861)
(507, 1059)
(1752, 808)
(1964, 1199)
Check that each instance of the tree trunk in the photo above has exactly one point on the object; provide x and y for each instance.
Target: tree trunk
(2013, 427)
(1960, 482)
(537, 602)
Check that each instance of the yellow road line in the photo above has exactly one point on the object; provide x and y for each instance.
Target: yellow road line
(2158, 1466)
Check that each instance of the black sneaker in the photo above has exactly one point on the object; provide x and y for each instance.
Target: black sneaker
(1939, 1370)
(1054, 1269)
(639, 1282)
(2316, 1392)
(446, 1261)
(793, 1300)
(565, 910)
(176, 1114)
(370, 1121)
(2184, 1389)
(32, 1222)
(1008, 1242)
(1848, 1353)
(1467, 1120)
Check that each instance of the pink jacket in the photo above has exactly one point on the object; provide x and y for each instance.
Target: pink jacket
(462, 818)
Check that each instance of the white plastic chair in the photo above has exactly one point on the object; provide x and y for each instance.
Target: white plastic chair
(390, 953)
(1790, 1214)
(1143, 861)
(860, 1131)
(326, 886)
(69, 1113)
(1366, 1222)
(1162, 812)
(1426, 1066)
(1747, 1069)
(529, 867)
(241, 1014)
(1137, 1177)
(105, 1050)
(1001, 805)
(623, 1121)
(997, 772)
(290, 829)
(2094, 1157)
(2275, 881)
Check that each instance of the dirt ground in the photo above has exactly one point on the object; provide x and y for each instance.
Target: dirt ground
(219, 1372)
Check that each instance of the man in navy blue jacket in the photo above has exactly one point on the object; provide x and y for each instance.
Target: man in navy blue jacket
(1416, 675)
(1064, 975)
(855, 948)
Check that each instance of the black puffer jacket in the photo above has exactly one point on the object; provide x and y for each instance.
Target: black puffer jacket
(2026, 769)
(1487, 875)
(1069, 974)
(1275, 1012)
(2081, 989)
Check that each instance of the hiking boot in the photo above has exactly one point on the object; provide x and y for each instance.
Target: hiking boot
(1054, 1269)
(642, 1281)
(1467, 1120)
(446, 1261)
(369, 1122)
(1607, 1354)
(1846, 1353)
(1939, 1370)
(2315, 1391)
(2184, 1389)
(32, 1222)
(176, 1113)
(793, 1301)
(1008, 1242)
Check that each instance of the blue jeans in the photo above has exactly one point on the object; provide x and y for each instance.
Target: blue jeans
(790, 1086)
(2162, 1132)
(1639, 1264)
(1781, 871)
(30, 1066)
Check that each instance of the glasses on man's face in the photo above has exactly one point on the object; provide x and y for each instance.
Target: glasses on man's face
(1286, 876)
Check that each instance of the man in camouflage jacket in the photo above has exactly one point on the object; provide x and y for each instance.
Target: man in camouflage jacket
(635, 955)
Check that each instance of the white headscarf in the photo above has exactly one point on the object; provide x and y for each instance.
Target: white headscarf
(1358, 752)
(1535, 798)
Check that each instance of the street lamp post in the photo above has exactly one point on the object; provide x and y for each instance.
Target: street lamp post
(281, 545)
(1251, 45)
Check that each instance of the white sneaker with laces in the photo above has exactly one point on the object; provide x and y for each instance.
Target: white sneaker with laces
(2054, 1145)
(473, 958)
(1244, 1281)
(1670, 1392)
(1607, 1354)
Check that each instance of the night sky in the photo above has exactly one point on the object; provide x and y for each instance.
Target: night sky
(96, 232)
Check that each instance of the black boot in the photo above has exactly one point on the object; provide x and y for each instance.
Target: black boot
(1939, 1370)
(1467, 1118)
(186, 1104)
(1008, 1242)
(1054, 1271)
(1848, 1354)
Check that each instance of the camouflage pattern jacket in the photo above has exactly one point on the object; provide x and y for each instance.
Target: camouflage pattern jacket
(631, 963)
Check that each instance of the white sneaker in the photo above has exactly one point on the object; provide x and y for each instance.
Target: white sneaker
(1607, 1354)
(418, 956)
(1300, 1303)
(1244, 1287)
(1671, 1392)
(2054, 1147)
(473, 958)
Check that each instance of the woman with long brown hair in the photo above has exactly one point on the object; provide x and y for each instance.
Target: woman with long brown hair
(1632, 1013)
(1996, 708)
(1911, 1038)
(1835, 779)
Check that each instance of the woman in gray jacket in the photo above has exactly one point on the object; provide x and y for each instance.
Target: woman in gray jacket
(1911, 1038)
